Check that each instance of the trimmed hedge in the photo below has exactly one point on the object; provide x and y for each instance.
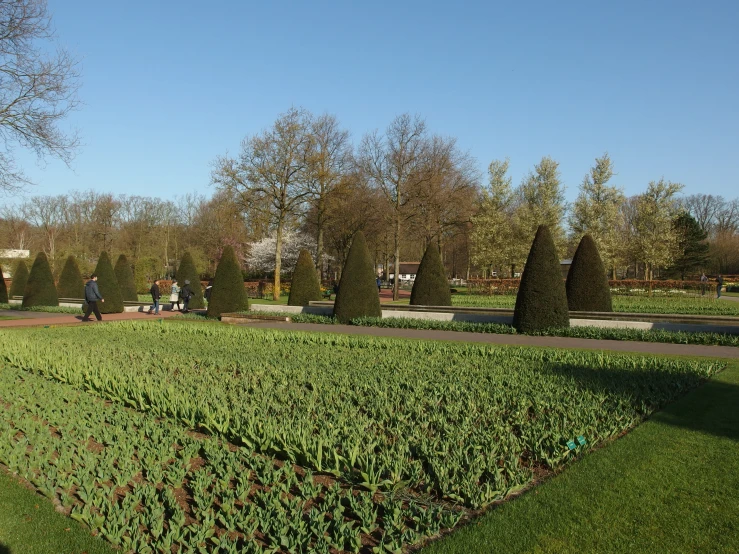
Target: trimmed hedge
(187, 272)
(70, 283)
(108, 285)
(587, 283)
(124, 276)
(3, 288)
(304, 286)
(20, 277)
(541, 302)
(40, 289)
(358, 295)
(431, 287)
(228, 293)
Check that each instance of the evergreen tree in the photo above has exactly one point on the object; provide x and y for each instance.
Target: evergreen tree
(108, 285)
(542, 301)
(3, 288)
(20, 276)
(70, 283)
(304, 286)
(692, 248)
(431, 287)
(228, 293)
(358, 296)
(587, 283)
(187, 272)
(124, 276)
(40, 289)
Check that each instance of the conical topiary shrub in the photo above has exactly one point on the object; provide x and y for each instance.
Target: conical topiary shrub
(124, 276)
(587, 282)
(3, 288)
(70, 283)
(228, 293)
(40, 289)
(187, 272)
(304, 286)
(20, 276)
(431, 287)
(542, 301)
(358, 296)
(108, 285)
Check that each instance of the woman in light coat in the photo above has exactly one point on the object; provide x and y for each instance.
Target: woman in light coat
(174, 296)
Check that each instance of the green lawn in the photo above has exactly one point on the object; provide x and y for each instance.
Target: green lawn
(30, 525)
(637, 304)
(671, 485)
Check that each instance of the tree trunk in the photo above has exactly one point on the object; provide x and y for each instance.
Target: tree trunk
(278, 262)
(396, 284)
(319, 240)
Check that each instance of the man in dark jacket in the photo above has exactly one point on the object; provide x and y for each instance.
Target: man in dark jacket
(719, 284)
(155, 296)
(92, 295)
(186, 294)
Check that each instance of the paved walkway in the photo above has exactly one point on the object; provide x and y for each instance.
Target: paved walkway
(31, 319)
(656, 348)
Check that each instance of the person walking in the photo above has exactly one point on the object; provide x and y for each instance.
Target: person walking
(92, 295)
(379, 285)
(719, 284)
(155, 296)
(186, 294)
(208, 290)
(704, 284)
(174, 296)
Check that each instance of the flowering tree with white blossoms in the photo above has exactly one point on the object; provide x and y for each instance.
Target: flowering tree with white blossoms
(262, 253)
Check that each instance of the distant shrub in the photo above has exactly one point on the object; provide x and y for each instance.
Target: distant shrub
(431, 287)
(70, 283)
(124, 276)
(187, 272)
(358, 296)
(587, 283)
(20, 276)
(40, 289)
(228, 294)
(108, 285)
(304, 286)
(541, 302)
(3, 288)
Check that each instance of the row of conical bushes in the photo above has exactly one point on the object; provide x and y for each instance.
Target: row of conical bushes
(543, 301)
(116, 284)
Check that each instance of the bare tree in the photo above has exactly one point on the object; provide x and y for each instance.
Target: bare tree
(270, 175)
(330, 161)
(396, 163)
(37, 89)
(47, 214)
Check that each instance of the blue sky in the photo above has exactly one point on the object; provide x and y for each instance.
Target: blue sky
(168, 86)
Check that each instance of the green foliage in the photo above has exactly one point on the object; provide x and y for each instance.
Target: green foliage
(304, 286)
(632, 304)
(20, 276)
(188, 272)
(228, 293)
(587, 283)
(351, 398)
(3, 288)
(147, 269)
(431, 287)
(70, 283)
(692, 248)
(124, 276)
(541, 302)
(108, 285)
(40, 288)
(358, 296)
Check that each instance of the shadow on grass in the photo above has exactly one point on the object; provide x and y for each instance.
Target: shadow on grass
(4, 549)
(660, 390)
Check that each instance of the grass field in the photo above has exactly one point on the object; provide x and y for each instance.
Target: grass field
(671, 485)
(633, 304)
(431, 428)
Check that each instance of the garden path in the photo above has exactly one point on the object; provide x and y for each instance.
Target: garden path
(31, 319)
(653, 348)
